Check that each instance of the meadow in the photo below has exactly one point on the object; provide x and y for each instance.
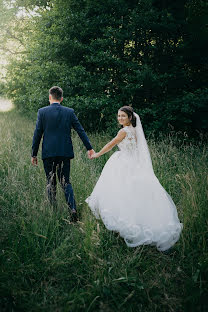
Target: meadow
(50, 264)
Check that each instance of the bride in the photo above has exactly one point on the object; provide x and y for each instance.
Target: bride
(128, 196)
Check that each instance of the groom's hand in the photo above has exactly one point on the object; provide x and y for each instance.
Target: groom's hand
(34, 161)
(90, 153)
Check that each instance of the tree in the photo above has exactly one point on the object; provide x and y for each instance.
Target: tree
(105, 55)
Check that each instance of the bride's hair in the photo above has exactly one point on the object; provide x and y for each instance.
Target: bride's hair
(130, 112)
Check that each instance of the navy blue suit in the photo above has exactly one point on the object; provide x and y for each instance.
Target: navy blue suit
(54, 123)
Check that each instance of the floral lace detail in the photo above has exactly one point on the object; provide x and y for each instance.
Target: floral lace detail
(129, 143)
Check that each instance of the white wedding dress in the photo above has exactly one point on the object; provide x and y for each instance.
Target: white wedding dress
(130, 200)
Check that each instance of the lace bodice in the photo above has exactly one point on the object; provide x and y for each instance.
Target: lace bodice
(129, 143)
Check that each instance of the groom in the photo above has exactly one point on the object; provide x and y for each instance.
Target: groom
(54, 123)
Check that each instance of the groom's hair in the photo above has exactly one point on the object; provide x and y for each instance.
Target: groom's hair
(56, 93)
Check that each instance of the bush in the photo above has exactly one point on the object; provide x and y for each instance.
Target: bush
(106, 55)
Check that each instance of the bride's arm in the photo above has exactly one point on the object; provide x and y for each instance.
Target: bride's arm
(120, 136)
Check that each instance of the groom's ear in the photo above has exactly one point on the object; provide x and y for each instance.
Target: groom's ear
(61, 99)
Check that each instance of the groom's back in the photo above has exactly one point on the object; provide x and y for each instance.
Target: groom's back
(56, 118)
(56, 122)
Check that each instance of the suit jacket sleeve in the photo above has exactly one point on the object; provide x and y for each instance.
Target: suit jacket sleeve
(79, 129)
(37, 135)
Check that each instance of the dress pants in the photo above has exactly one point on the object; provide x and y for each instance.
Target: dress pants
(60, 166)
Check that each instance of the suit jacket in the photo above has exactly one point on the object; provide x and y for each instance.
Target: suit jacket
(54, 123)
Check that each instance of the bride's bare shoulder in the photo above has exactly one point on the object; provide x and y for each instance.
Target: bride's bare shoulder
(122, 132)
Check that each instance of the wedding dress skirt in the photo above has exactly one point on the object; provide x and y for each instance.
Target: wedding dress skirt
(133, 202)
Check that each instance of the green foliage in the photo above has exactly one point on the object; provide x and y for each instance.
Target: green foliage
(2, 88)
(147, 54)
(48, 264)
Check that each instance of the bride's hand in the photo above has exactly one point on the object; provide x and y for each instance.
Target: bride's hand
(95, 155)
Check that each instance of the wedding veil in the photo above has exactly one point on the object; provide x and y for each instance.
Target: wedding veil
(144, 158)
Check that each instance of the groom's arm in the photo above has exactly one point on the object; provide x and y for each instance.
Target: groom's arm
(80, 130)
(37, 135)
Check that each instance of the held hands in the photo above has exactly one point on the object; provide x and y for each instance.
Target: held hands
(95, 155)
(92, 154)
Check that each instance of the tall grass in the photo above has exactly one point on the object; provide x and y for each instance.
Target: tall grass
(49, 264)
